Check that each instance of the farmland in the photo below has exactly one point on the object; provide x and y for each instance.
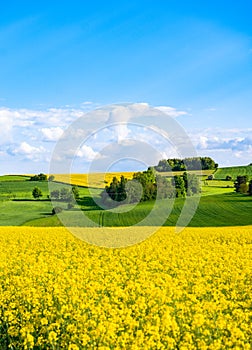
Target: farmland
(187, 290)
(96, 180)
(233, 172)
(219, 205)
(173, 291)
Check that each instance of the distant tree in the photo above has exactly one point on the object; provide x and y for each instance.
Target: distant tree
(165, 187)
(193, 163)
(121, 189)
(192, 184)
(147, 180)
(64, 193)
(55, 194)
(39, 177)
(37, 193)
(241, 184)
(250, 188)
(70, 205)
(76, 192)
(56, 210)
(133, 191)
(179, 186)
(51, 178)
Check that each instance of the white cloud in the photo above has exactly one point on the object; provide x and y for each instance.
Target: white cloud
(52, 134)
(172, 112)
(28, 151)
(227, 146)
(87, 153)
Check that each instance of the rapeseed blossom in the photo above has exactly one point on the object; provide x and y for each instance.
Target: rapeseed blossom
(173, 291)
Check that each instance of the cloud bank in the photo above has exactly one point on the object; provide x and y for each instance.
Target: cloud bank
(27, 137)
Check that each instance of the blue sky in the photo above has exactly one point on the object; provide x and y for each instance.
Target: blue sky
(60, 59)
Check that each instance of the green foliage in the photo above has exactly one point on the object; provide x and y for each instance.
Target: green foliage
(250, 188)
(133, 191)
(146, 186)
(179, 186)
(39, 177)
(76, 192)
(148, 182)
(51, 178)
(165, 187)
(241, 184)
(56, 210)
(191, 183)
(65, 194)
(55, 194)
(37, 193)
(194, 163)
(116, 190)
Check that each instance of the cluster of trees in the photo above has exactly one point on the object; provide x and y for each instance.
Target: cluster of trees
(243, 185)
(39, 177)
(42, 177)
(147, 185)
(64, 194)
(194, 163)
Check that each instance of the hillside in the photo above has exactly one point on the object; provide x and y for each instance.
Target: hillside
(219, 204)
(233, 172)
(226, 209)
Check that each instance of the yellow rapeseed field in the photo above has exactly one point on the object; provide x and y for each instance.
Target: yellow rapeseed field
(97, 180)
(173, 291)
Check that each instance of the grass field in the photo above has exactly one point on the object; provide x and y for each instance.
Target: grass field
(219, 205)
(223, 209)
(233, 172)
(173, 291)
(203, 173)
(14, 178)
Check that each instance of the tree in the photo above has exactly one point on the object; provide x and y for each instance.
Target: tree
(37, 193)
(51, 178)
(250, 188)
(192, 184)
(165, 188)
(133, 191)
(241, 184)
(76, 192)
(56, 210)
(193, 163)
(39, 177)
(179, 186)
(147, 180)
(55, 194)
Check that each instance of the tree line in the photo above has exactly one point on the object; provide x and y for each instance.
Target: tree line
(194, 163)
(42, 177)
(148, 185)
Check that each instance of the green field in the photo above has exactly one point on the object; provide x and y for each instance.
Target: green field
(229, 209)
(14, 178)
(18, 206)
(233, 172)
(219, 205)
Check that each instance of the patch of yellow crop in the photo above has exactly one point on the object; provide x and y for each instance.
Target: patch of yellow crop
(173, 291)
(97, 180)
